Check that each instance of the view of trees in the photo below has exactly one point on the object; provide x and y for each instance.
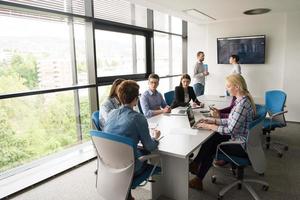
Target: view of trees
(38, 125)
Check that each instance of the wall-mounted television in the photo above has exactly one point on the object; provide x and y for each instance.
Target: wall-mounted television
(250, 49)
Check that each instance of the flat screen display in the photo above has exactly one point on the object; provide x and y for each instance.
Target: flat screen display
(250, 49)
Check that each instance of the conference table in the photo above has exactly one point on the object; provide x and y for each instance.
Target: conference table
(178, 142)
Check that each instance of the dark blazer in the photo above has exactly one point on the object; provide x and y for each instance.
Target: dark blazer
(179, 97)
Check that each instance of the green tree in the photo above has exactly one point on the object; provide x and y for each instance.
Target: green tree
(26, 68)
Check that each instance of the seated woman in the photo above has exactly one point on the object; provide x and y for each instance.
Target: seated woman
(129, 123)
(112, 102)
(235, 127)
(184, 93)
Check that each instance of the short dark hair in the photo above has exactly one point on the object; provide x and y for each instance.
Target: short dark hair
(154, 76)
(236, 57)
(127, 91)
(200, 52)
(184, 76)
(113, 89)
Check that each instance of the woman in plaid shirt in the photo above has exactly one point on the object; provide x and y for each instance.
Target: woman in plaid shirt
(235, 127)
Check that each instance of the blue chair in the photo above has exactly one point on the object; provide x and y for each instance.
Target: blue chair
(116, 161)
(169, 97)
(255, 157)
(275, 102)
(95, 120)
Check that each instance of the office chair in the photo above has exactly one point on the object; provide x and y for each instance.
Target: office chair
(139, 106)
(275, 101)
(116, 165)
(255, 153)
(95, 120)
(169, 96)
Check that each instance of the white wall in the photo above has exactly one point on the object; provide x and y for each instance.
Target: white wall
(291, 79)
(282, 43)
(197, 41)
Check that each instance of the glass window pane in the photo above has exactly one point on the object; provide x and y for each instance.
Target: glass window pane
(161, 21)
(176, 55)
(81, 53)
(34, 53)
(121, 11)
(161, 53)
(115, 53)
(103, 92)
(140, 16)
(140, 54)
(35, 126)
(85, 113)
(176, 25)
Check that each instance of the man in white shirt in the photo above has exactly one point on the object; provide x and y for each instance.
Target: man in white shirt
(236, 68)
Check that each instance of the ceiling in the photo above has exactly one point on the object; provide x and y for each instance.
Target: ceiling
(219, 9)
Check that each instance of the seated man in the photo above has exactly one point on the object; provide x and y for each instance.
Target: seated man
(152, 102)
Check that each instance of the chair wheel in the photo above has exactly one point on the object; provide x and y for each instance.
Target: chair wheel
(279, 155)
(220, 197)
(262, 174)
(213, 179)
(239, 186)
(286, 148)
(265, 187)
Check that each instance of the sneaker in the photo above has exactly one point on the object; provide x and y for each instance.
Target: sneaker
(196, 183)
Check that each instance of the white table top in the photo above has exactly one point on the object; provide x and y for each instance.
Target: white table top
(220, 101)
(218, 98)
(179, 139)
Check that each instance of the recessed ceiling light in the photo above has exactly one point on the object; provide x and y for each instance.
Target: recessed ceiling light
(257, 11)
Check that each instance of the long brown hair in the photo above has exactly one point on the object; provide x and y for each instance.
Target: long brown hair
(184, 76)
(113, 89)
(238, 80)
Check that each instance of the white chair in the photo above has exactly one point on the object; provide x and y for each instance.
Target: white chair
(116, 161)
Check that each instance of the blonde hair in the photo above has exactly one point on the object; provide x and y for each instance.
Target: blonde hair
(239, 81)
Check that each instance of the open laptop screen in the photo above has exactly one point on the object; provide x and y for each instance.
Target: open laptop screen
(191, 116)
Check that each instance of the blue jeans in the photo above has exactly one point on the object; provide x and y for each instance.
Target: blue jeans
(199, 89)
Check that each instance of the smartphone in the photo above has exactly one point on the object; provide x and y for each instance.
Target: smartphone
(211, 107)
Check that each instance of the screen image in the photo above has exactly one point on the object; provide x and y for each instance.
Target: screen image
(250, 49)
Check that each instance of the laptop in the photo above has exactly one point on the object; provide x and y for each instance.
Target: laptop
(179, 111)
(191, 118)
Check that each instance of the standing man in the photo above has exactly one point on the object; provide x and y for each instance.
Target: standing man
(199, 74)
(152, 101)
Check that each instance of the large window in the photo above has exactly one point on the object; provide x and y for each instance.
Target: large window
(35, 126)
(34, 53)
(37, 53)
(168, 40)
(120, 53)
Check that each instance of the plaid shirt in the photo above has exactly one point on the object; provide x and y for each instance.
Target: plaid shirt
(238, 121)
